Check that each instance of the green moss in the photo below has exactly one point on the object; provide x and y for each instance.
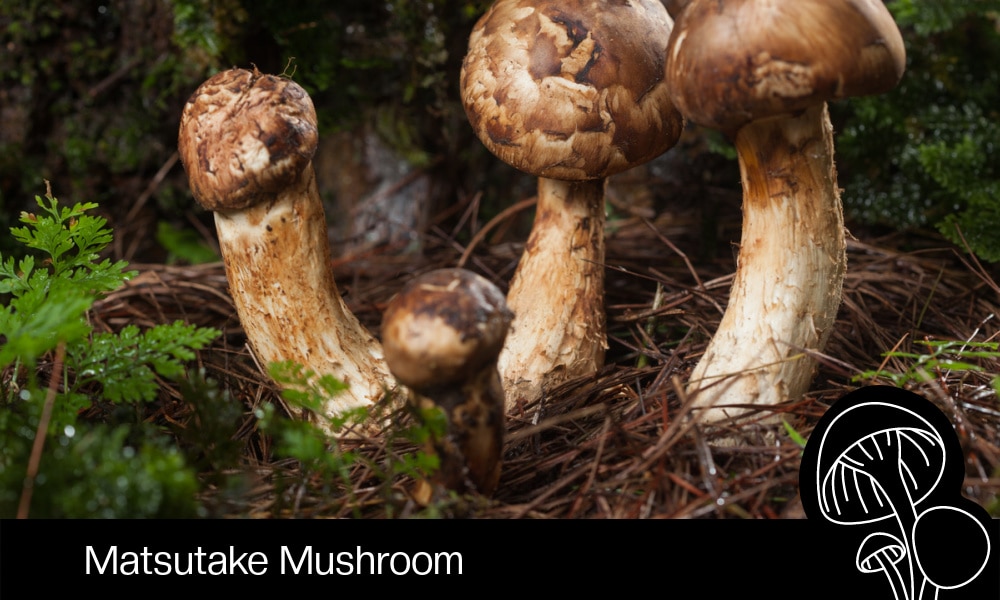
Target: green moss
(926, 154)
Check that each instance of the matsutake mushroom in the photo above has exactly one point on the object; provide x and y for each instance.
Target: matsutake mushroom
(442, 334)
(762, 72)
(246, 142)
(571, 91)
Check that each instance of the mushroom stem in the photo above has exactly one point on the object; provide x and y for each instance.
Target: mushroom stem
(892, 574)
(470, 452)
(881, 551)
(790, 270)
(556, 294)
(277, 258)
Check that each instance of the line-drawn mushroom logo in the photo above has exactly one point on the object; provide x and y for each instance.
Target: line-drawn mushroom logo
(887, 461)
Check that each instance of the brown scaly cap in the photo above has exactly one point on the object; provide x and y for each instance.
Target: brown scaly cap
(740, 60)
(571, 89)
(245, 136)
(443, 327)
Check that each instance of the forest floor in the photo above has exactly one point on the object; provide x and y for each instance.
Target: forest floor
(617, 444)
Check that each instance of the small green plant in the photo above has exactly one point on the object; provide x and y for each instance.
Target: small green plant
(54, 366)
(794, 435)
(941, 355)
(323, 462)
(184, 245)
(302, 439)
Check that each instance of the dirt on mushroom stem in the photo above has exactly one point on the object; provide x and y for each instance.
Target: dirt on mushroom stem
(556, 295)
(277, 261)
(790, 271)
(470, 451)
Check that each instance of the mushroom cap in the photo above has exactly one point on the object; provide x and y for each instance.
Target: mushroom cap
(444, 327)
(571, 89)
(737, 61)
(245, 136)
(877, 449)
(875, 549)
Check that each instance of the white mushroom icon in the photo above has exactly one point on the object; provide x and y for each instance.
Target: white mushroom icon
(883, 552)
(883, 455)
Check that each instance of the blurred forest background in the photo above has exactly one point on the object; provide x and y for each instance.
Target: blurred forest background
(91, 93)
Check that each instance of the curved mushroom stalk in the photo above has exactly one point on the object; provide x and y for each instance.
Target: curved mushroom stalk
(277, 259)
(246, 142)
(562, 269)
(790, 272)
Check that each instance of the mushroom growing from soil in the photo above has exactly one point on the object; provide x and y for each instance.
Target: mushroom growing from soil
(573, 92)
(442, 333)
(246, 142)
(762, 72)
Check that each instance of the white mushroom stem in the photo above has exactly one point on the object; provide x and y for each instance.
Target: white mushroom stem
(557, 293)
(790, 271)
(278, 263)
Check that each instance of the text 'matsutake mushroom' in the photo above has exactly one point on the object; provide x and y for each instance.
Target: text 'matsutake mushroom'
(762, 72)
(442, 334)
(573, 92)
(246, 142)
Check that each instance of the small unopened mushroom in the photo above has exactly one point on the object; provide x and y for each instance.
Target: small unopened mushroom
(246, 142)
(762, 72)
(572, 91)
(442, 333)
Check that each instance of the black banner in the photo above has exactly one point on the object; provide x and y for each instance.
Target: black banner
(792, 557)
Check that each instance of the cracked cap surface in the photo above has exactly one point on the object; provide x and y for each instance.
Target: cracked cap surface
(571, 89)
(245, 136)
